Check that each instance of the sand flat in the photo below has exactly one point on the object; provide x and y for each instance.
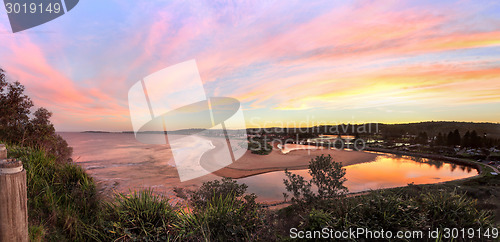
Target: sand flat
(118, 162)
(252, 164)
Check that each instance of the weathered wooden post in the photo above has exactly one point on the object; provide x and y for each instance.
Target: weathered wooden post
(3, 152)
(13, 199)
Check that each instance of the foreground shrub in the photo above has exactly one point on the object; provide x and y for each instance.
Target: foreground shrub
(327, 177)
(225, 218)
(396, 210)
(139, 216)
(202, 197)
(62, 198)
(453, 210)
(221, 212)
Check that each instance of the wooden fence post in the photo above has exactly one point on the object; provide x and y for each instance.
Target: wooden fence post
(13, 199)
(3, 152)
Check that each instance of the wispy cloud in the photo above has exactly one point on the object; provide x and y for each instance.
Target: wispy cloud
(271, 55)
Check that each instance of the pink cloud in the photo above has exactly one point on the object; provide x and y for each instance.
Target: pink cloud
(260, 56)
(49, 87)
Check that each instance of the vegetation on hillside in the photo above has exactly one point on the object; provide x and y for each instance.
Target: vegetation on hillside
(401, 209)
(62, 198)
(259, 146)
(327, 179)
(19, 125)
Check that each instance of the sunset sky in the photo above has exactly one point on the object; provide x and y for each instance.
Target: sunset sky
(286, 61)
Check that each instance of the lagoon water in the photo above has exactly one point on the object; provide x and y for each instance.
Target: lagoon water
(386, 171)
(120, 163)
(291, 147)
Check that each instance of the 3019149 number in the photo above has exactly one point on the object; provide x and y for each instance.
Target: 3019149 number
(455, 233)
(33, 8)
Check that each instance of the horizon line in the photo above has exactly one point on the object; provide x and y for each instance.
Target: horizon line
(432, 121)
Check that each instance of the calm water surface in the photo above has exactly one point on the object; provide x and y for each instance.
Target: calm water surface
(291, 147)
(385, 172)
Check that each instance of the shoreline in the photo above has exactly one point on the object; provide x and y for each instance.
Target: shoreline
(458, 161)
(249, 165)
(253, 164)
(241, 169)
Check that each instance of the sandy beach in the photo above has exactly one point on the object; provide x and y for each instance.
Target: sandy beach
(120, 164)
(252, 164)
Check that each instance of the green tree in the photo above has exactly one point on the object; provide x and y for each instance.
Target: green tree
(449, 139)
(457, 140)
(440, 140)
(17, 127)
(475, 140)
(454, 138)
(14, 110)
(327, 176)
(259, 146)
(466, 141)
(41, 126)
(422, 138)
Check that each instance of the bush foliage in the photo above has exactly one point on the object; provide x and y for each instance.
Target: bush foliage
(18, 125)
(62, 198)
(327, 178)
(222, 211)
(259, 146)
(396, 210)
(139, 216)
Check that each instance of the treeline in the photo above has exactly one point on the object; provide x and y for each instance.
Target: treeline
(432, 129)
(469, 139)
(309, 132)
(453, 138)
(387, 131)
(20, 126)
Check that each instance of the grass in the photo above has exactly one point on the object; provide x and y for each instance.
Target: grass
(138, 216)
(411, 208)
(222, 219)
(62, 198)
